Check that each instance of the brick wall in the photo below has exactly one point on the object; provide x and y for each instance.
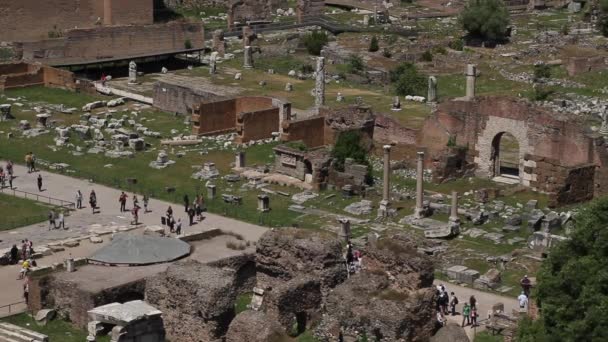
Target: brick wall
(257, 125)
(309, 130)
(578, 65)
(388, 131)
(26, 20)
(115, 42)
(17, 75)
(180, 99)
(214, 117)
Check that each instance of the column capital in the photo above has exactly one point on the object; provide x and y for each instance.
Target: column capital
(387, 148)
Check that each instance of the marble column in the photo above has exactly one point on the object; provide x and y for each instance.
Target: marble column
(344, 229)
(320, 82)
(432, 91)
(248, 58)
(454, 207)
(419, 211)
(132, 72)
(213, 63)
(471, 74)
(383, 208)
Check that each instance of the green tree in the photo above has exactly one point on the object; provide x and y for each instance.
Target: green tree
(373, 45)
(486, 19)
(542, 71)
(315, 41)
(354, 64)
(348, 145)
(407, 80)
(572, 291)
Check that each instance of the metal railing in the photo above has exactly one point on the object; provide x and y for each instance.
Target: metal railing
(40, 198)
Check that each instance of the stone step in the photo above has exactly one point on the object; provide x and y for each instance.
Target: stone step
(28, 334)
(11, 336)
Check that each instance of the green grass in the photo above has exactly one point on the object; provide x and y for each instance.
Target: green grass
(307, 337)
(53, 95)
(486, 336)
(57, 330)
(241, 302)
(19, 212)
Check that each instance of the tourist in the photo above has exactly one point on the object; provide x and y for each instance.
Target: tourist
(146, 199)
(14, 255)
(52, 223)
(33, 162)
(453, 303)
(10, 181)
(61, 220)
(169, 212)
(78, 199)
(26, 291)
(23, 249)
(526, 284)
(135, 213)
(473, 302)
(39, 181)
(93, 201)
(135, 201)
(30, 248)
(2, 177)
(186, 203)
(445, 303)
(198, 210)
(474, 316)
(123, 201)
(523, 300)
(466, 312)
(28, 162)
(349, 257)
(171, 223)
(440, 319)
(178, 227)
(9, 169)
(191, 215)
(25, 267)
(357, 257)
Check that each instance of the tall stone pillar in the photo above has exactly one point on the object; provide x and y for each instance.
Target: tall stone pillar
(471, 74)
(240, 160)
(454, 221)
(213, 63)
(419, 211)
(432, 91)
(344, 229)
(384, 207)
(219, 43)
(320, 82)
(248, 58)
(132, 72)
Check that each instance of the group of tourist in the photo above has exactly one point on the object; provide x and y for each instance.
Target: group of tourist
(30, 162)
(122, 199)
(26, 255)
(446, 305)
(195, 208)
(169, 220)
(354, 259)
(56, 219)
(6, 175)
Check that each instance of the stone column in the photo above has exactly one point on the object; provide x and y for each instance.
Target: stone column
(248, 58)
(366, 20)
(263, 203)
(603, 128)
(419, 211)
(132, 72)
(240, 159)
(471, 74)
(219, 43)
(247, 35)
(386, 190)
(69, 265)
(213, 63)
(432, 91)
(454, 207)
(344, 229)
(211, 190)
(320, 82)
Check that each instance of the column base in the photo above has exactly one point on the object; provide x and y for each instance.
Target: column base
(384, 209)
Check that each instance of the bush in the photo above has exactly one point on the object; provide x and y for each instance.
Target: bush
(407, 80)
(541, 93)
(315, 41)
(603, 20)
(354, 64)
(565, 29)
(188, 44)
(440, 50)
(427, 56)
(485, 19)
(348, 145)
(387, 53)
(307, 68)
(542, 71)
(457, 45)
(373, 45)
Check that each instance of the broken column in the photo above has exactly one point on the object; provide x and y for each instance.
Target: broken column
(320, 82)
(248, 36)
(132, 72)
(211, 190)
(432, 91)
(213, 63)
(454, 221)
(240, 160)
(471, 74)
(396, 104)
(5, 112)
(219, 44)
(41, 119)
(344, 233)
(263, 203)
(383, 209)
(419, 211)
(248, 58)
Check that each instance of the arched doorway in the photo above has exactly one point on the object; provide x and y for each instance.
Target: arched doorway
(505, 156)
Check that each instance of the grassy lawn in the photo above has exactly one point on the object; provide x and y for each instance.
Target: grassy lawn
(57, 330)
(241, 302)
(18, 212)
(486, 336)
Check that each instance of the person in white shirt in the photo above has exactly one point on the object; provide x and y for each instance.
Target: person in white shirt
(523, 300)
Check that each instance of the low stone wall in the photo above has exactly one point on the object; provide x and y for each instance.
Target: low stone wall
(19, 75)
(579, 65)
(174, 98)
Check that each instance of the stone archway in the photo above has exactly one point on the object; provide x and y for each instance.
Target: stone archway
(505, 156)
(487, 147)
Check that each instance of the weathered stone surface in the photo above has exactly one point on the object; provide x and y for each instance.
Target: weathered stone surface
(254, 326)
(294, 303)
(44, 316)
(363, 207)
(452, 332)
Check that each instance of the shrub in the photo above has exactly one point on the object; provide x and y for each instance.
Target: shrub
(565, 29)
(542, 71)
(439, 50)
(373, 45)
(486, 19)
(315, 41)
(457, 44)
(427, 56)
(407, 80)
(354, 64)
(188, 44)
(387, 53)
(602, 23)
(541, 93)
(306, 68)
(348, 145)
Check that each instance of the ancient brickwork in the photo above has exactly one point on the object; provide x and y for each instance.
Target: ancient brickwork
(115, 42)
(256, 125)
(34, 19)
(310, 131)
(578, 65)
(175, 98)
(17, 75)
(246, 10)
(309, 8)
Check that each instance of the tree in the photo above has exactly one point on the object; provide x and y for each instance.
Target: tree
(315, 41)
(354, 64)
(572, 290)
(373, 45)
(486, 19)
(407, 80)
(603, 20)
(348, 145)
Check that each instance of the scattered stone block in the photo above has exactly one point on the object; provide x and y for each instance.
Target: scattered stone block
(95, 239)
(44, 316)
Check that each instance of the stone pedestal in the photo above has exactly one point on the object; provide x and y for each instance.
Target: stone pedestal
(471, 74)
(384, 208)
(213, 63)
(320, 82)
(219, 44)
(132, 72)
(248, 58)
(432, 90)
(69, 265)
(41, 120)
(263, 203)
(240, 159)
(211, 191)
(344, 232)
(396, 106)
(454, 221)
(419, 211)
(5, 112)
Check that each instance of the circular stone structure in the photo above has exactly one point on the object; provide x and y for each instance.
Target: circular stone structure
(138, 250)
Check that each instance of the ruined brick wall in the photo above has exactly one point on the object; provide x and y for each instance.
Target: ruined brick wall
(578, 65)
(257, 125)
(310, 131)
(115, 42)
(214, 117)
(27, 20)
(252, 103)
(245, 10)
(309, 8)
(17, 75)
(58, 78)
(175, 98)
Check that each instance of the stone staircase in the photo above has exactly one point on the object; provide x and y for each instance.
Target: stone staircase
(12, 333)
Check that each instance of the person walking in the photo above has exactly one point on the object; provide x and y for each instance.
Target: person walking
(14, 255)
(78, 199)
(191, 215)
(466, 312)
(52, 223)
(93, 201)
(135, 213)
(28, 162)
(123, 202)
(135, 201)
(178, 227)
(23, 249)
(26, 292)
(171, 224)
(39, 182)
(61, 220)
(473, 302)
(526, 284)
(33, 162)
(9, 169)
(186, 203)
(169, 212)
(523, 300)
(453, 303)
(474, 316)
(10, 181)
(146, 199)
